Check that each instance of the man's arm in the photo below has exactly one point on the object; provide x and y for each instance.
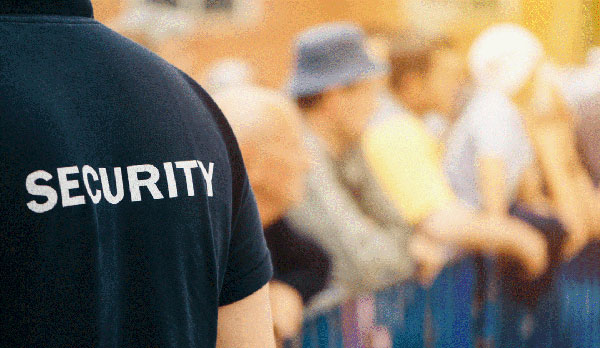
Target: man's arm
(559, 170)
(401, 159)
(492, 185)
(531, 192)
(460, 226)
(247, 323)
(287, 309)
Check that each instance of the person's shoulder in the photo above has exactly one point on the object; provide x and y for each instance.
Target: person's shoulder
(147, 61)
(153, 69)
(489, 99)
(490, 105)
(400, 125)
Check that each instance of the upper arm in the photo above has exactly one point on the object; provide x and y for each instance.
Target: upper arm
(245, 270)
(404, 162)
(556, 162)
(490, 125)
(248, 263)
(246, 323)
(494, 132)
(531, 190)
(492, 185)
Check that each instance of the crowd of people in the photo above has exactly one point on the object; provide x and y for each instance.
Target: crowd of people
(423, 195)
(376, 166)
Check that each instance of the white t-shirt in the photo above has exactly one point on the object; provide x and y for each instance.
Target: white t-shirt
(436, 124)
(490, 126)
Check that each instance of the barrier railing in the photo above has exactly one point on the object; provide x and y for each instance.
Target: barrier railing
(404, 315)
(445, 315)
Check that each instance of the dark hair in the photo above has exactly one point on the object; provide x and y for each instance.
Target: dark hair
(412, 52)
(308, 102)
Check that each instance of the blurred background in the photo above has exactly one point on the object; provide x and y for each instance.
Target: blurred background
(426, 173)
(262, 31)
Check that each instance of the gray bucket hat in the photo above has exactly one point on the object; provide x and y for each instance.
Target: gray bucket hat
(330, 55)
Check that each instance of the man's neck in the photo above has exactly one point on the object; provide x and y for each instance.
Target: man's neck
(405, 101)
(336, 144)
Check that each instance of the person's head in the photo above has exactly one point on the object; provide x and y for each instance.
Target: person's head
(335, 82)
(226, 73)
(427, 72)
(507, 58)
(268, 128)
(345, 110)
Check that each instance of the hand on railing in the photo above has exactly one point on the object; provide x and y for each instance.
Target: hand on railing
(431, 257)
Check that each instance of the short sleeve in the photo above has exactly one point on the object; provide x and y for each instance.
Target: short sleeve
(249, 265)
(491, 125)
(406, 163)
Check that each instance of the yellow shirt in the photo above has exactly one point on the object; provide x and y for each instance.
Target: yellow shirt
(407, 162)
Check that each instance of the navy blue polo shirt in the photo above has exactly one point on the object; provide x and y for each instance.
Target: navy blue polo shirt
(126, 216)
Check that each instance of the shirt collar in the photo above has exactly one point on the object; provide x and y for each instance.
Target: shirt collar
(77, 8)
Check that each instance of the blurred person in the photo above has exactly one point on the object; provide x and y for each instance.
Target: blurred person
(558, 175)
(127, 215)
(488, 152)
(227, 73)
(588, 129)
(154, 22)
(268, 128)
(336, 85)
(407, 161)
(514, 138)
(553, 121)
(427, 75)
(488, 149)
(581, 89)
(579, 83)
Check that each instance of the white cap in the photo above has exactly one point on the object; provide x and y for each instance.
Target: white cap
(503, 57)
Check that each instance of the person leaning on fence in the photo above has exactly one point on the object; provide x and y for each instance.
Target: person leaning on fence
(127, 216)
(407, 162)
(533, 165)
(268, 128)
(559, 175)
(335, 84)
(588, 127)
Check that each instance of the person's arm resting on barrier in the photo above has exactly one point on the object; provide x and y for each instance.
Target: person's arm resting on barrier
(560, 176)
(406, 169)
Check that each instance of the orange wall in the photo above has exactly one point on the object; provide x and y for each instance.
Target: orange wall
(265, 44)
(105, 10)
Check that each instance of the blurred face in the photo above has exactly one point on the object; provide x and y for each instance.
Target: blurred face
(445, 80)
(350, 107)
(278, 166)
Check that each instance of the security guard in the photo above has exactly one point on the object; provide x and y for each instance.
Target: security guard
(126, 216)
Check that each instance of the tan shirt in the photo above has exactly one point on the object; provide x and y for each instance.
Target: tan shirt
(365, 255)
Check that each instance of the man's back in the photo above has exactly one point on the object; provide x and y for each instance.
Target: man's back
(127, 217)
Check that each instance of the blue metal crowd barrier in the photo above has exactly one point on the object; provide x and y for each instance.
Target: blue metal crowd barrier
(408, 315)
(404, 315)
(578, 294)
